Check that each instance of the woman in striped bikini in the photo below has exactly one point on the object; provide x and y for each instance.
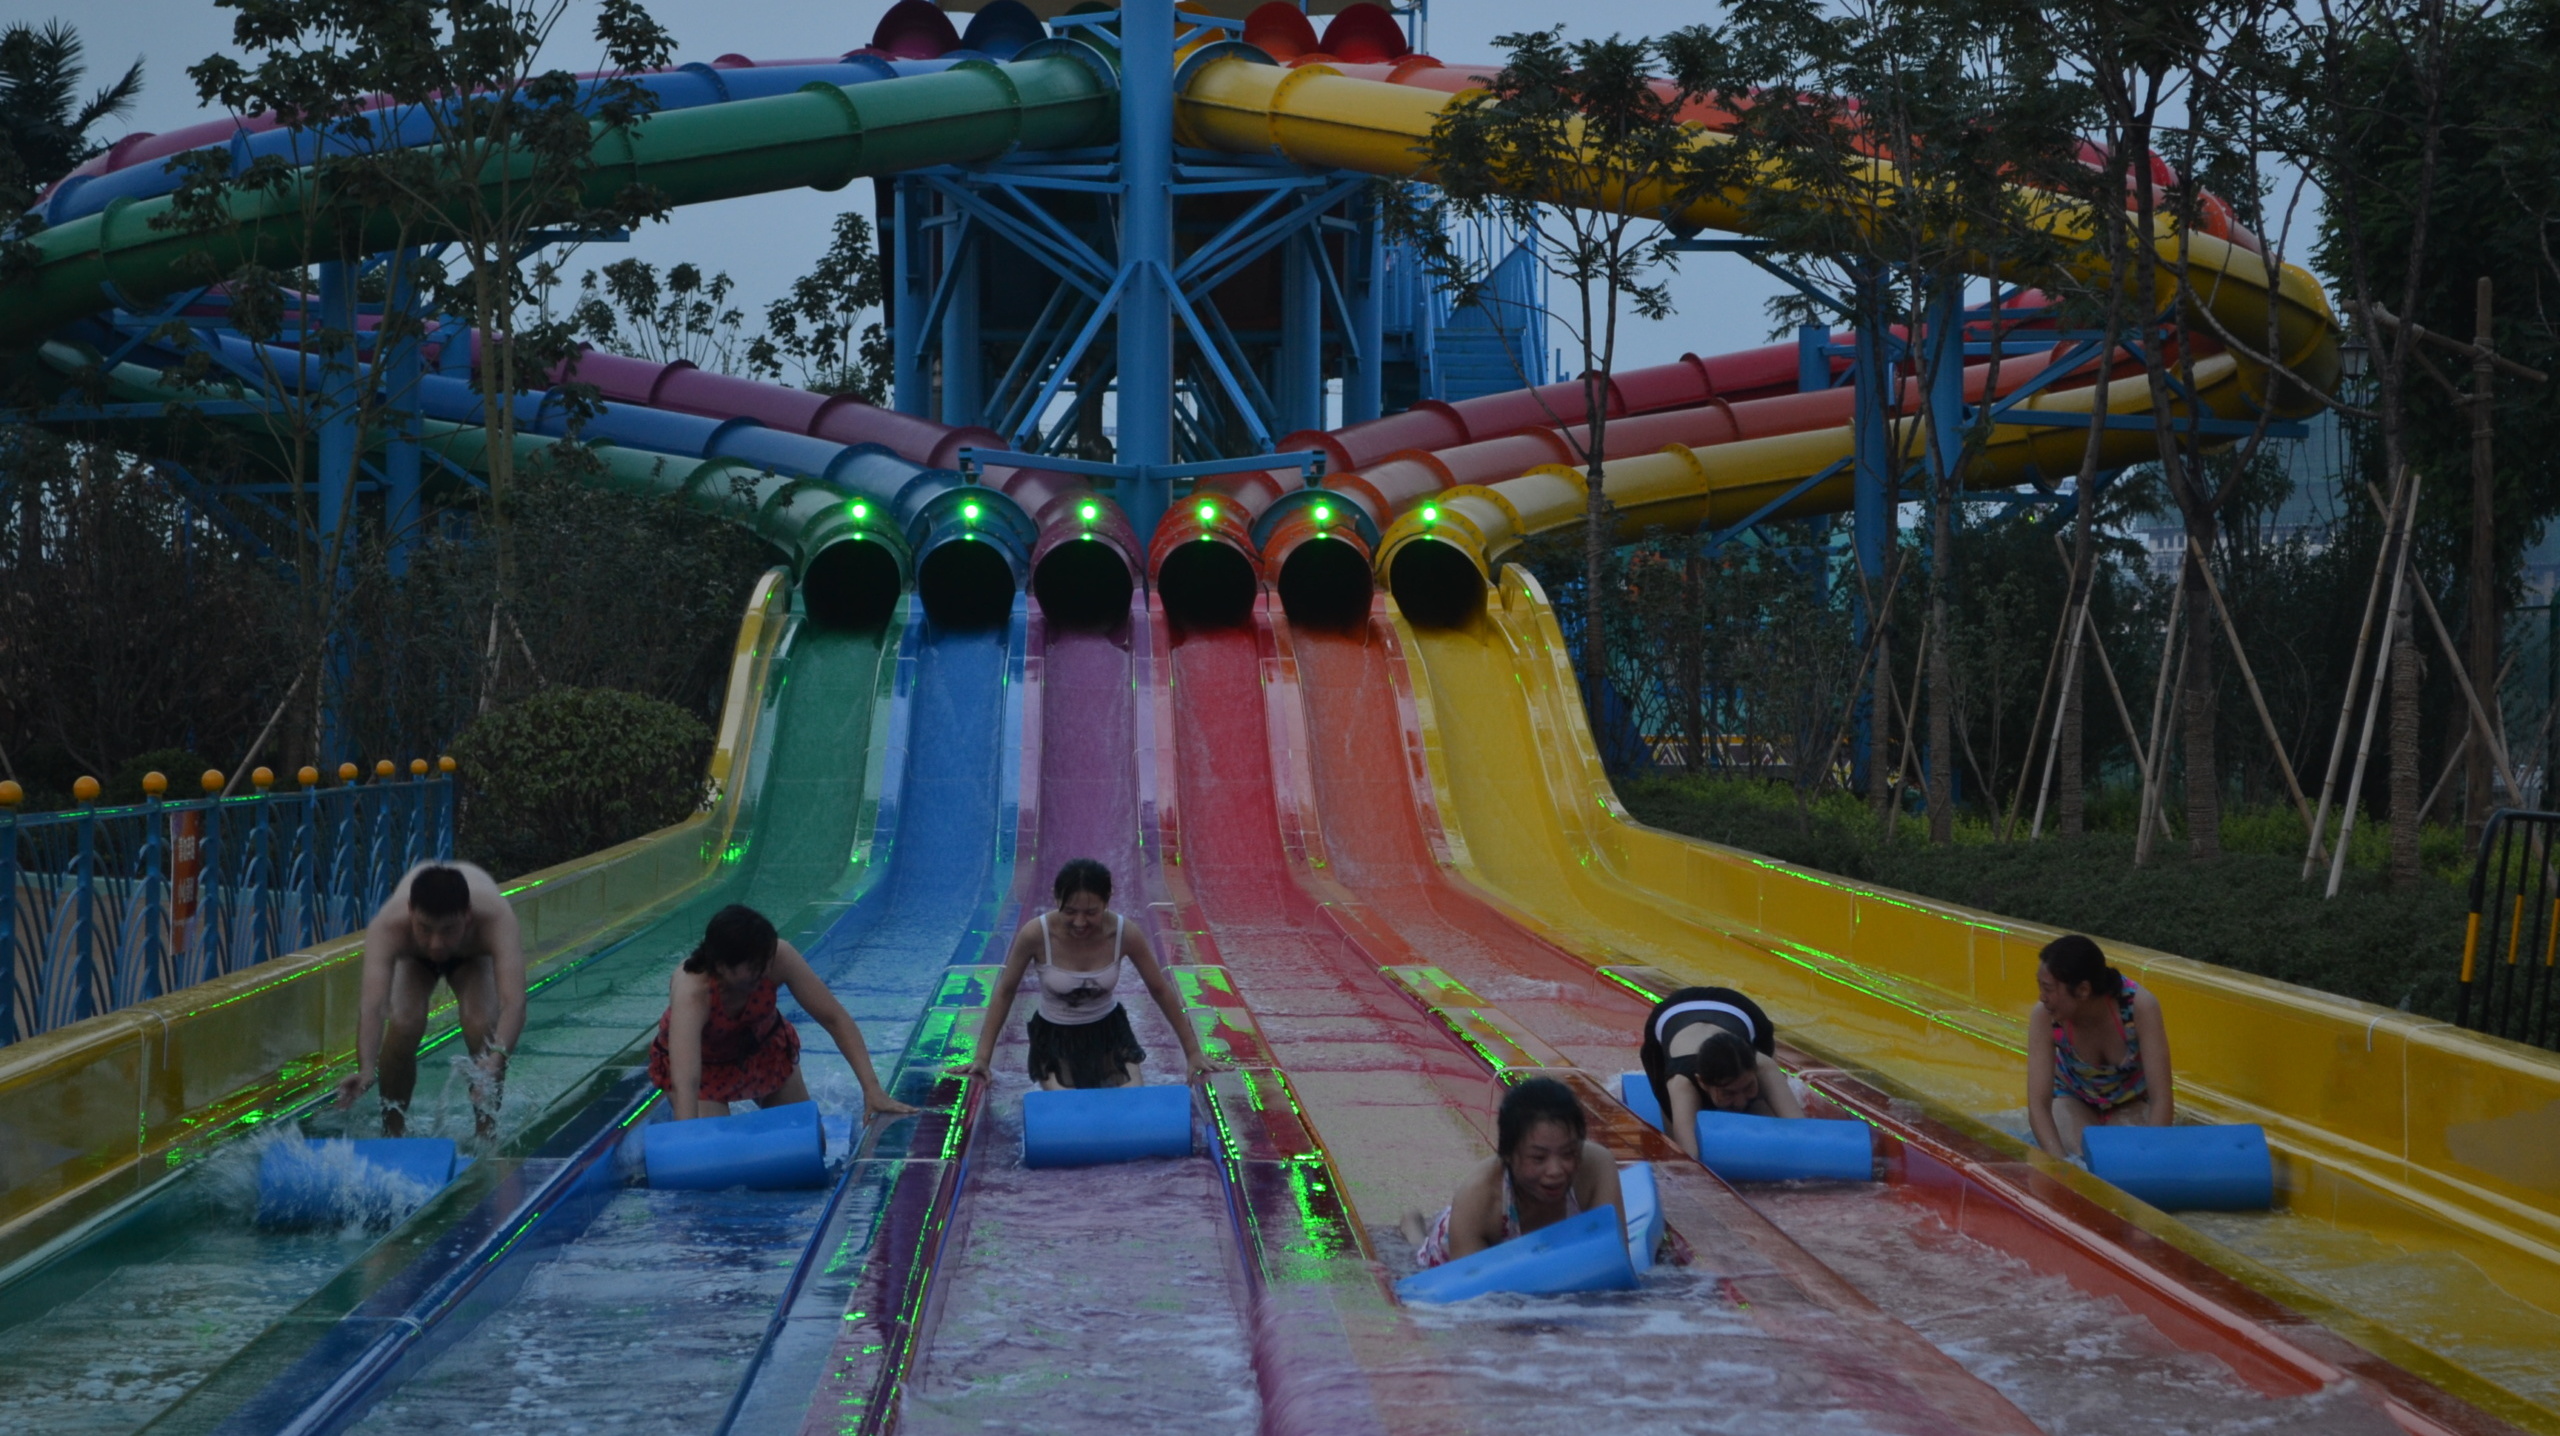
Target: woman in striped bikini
(2107, 1060)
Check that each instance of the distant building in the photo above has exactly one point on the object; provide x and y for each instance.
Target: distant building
(2315, 463)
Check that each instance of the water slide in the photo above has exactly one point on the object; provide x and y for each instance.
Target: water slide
(1374, 858)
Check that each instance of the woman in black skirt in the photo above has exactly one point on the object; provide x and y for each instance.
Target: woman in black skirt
(1080, 1037)
(1712, 1048)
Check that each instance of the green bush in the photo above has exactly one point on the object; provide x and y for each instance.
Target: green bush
(570, 770)
(2247, 909)
(182, 768)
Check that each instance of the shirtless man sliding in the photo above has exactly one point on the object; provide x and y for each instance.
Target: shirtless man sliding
(445, 922)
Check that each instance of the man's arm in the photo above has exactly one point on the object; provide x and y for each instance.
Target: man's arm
(383, 938)
(505, 940)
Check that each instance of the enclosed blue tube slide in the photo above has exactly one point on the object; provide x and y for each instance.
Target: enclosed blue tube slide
(1092, 1126)
(2187, 1169)
(1580, 1253)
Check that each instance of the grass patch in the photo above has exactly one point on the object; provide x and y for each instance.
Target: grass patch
(2247, 909)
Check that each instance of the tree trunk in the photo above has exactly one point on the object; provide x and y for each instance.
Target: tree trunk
(1942, 743)
(1881, 787)
(2072, 819)
(2484, 595)
(2404, 743)
(1693, 663)
(2204, 771)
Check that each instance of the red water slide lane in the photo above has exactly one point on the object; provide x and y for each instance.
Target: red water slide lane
(1389, 856)
(1405, 1109)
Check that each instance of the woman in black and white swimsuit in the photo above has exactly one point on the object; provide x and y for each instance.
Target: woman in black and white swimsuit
(1711, 1047)
(1080, 1037)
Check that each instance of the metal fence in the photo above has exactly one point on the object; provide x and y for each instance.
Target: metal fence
(104, 907)
(2512, 938)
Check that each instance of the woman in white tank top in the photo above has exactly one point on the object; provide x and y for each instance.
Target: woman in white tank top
(1080, 1036)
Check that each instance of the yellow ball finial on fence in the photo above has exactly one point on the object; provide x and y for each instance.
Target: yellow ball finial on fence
(85, 788)
(309, 777)
(155, 783)
(446, 764)
(211, 780)
(11, 795)
(417, 767)
(265, 778)
(382, 768)
(347, 772)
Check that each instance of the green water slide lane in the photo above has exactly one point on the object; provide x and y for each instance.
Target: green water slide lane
(174, 1310)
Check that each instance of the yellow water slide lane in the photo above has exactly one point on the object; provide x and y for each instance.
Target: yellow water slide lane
(2419, 1165)
(101, 1110)
(1315, 116)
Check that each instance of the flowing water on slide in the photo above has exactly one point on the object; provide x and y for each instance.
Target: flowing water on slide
(1405, 1112)
(108, 1335)
(645, 1322)
(1100, 1298)
(2072, 1362)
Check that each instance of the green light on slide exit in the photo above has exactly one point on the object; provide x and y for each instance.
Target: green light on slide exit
(1324, 513)
(969, 512)
(1089, 512)
(859, 510)
(1208, 513)
(1431, 513)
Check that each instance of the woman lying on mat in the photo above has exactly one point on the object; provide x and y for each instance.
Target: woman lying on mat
(2106, 1062)
(1080, 1037)
(1545, 1168)
(1710, 1048)
(723, 1037)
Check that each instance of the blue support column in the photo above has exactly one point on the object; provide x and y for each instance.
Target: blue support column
(335, 485)
(963, 365)
(401, 514)
(1145, 420)
(1364, 367)
(1813, 360)
(911, 280)
(1300, 388)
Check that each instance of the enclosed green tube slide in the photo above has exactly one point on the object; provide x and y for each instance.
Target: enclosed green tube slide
(1057, 94)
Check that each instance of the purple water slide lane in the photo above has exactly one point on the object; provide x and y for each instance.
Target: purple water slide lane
(1754, 1334)
(1121, 1281)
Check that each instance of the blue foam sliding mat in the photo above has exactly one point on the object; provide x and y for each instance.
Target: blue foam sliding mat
(2187, 1169)
(318, 1180)
(1637, 1094)
(1580, 1253)
(771, 1149)
(1742, 1147)
(1644, 1212)
(1105, 1124)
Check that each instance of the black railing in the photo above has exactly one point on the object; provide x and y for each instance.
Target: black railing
(2513, 934)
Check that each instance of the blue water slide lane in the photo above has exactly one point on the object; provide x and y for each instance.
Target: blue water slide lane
(867, 953)
(854, 1306)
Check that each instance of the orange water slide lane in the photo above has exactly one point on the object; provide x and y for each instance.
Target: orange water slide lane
(1387, 871)
(1405, 1109)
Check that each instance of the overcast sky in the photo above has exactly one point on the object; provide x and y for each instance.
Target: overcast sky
(764, 242)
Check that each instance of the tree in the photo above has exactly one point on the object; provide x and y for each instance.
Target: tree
(506, 161)
(1902, 147)
(1591, 125)
(44, 125)
(822, 332)
(679, 317)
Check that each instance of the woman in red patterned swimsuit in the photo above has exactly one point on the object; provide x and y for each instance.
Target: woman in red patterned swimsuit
(723, 1039)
